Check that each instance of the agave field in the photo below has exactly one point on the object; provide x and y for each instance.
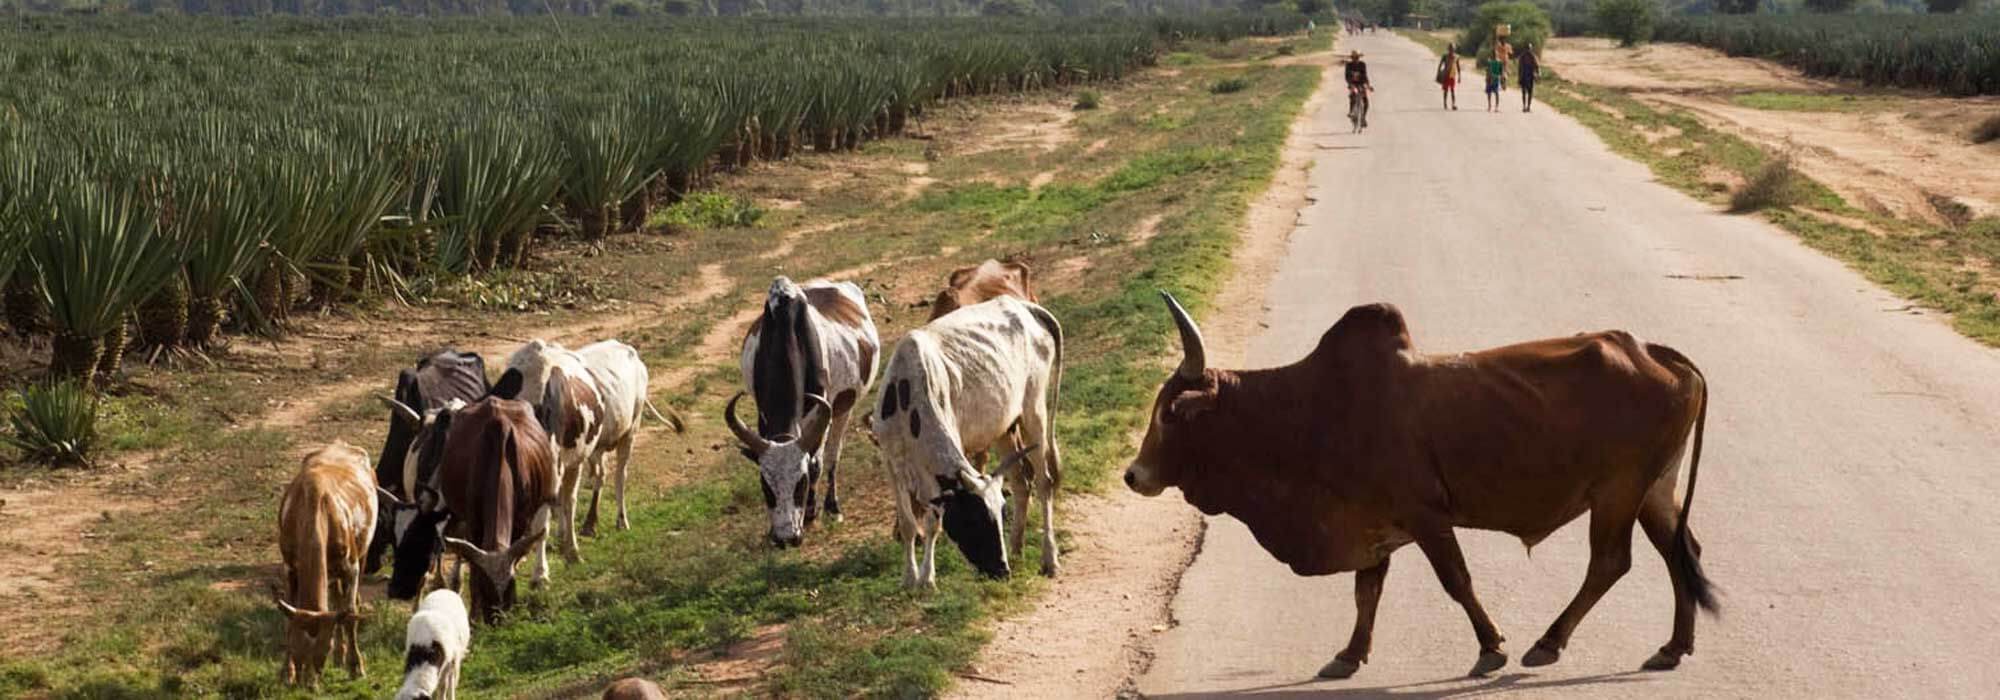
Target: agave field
(1953, 54)
(163, 181)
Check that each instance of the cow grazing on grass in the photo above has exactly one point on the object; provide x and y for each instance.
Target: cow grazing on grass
(324, 524)
(496, 484)
(435, 644)
(954, 388)
(1363, 446)
(813, 342)
(973, 284)
(621, 379)
(436, 381)
(634, 689)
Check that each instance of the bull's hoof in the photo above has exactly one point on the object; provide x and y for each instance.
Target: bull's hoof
(1050, 569)
(1489, 661)
(589, 529)
(1541, 656)
(624, 524)
(1662, 660)
(1339, 669)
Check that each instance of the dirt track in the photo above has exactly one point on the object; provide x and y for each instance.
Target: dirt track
(1845, 497)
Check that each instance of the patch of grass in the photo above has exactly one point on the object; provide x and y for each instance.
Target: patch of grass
(1087, 100)
(511, 290)
(1184, 59)
(1775, 185)
(1812, 102)
(707, 210)
(1987, 131)
(1227, 86)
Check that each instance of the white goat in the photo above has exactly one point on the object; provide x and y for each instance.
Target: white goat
(439, 636)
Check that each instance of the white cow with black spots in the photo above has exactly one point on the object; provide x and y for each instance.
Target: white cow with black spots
(954, 388)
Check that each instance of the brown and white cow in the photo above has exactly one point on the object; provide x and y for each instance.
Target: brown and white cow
(496, 482)
(1365, 445)
(634, 689)
(324, 524)
(973, 284)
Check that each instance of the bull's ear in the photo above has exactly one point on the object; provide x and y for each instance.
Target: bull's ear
(749, 454)
(1191, 404)
(509, 386)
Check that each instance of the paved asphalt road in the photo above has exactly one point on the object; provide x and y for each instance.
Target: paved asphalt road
(1849, 502)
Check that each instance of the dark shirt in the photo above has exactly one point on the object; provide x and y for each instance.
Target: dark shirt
(1357, 73)
(1529, 65)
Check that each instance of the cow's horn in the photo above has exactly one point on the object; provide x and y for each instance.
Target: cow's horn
(1013, 462)
(403, 409)
(818, 417)
(391, 498)
(1194, 356)
(749, 437)
(471, 552)
(520, 547)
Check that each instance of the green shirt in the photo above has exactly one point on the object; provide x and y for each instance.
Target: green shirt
(1495, 68)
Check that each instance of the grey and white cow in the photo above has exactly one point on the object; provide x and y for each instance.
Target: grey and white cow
(807, 359)
(954, 388)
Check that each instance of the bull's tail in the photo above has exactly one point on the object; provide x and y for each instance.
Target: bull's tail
(1686, 560)
(672, 417)
(1054, 328)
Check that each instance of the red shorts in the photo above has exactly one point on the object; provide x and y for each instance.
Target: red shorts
(1449, 83)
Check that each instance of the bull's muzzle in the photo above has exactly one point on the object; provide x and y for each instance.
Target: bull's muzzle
(785, 542)
(1139, 479)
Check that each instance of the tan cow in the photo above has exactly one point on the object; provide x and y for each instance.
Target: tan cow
(1365, 445)
(976, 283)
(324, 525)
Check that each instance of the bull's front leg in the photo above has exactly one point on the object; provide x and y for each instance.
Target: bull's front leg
(1367, 593)
(566, 497)
(541, 575)
(596, 468)
(1440, 545)
(836, 434)
(928, 577)
(350, 623)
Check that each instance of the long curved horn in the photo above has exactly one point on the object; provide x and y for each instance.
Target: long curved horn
(519, 549)
(1194, 355)
(749, 437)
(818, 417)
(403, 409)
(486, 561)
(1013, 461)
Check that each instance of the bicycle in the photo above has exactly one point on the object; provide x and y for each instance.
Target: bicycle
(1357, 106)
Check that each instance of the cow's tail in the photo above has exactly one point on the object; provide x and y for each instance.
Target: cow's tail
(672, 417)
(1054, 328)
(1686, 561)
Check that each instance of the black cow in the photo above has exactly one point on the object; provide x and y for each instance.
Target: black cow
(436, 381)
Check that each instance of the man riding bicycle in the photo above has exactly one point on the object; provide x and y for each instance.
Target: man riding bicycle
(1358, 88)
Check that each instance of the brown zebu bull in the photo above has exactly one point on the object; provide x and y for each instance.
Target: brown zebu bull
(325, 520)
(497, 483)
(973, 284)
(1336, 461)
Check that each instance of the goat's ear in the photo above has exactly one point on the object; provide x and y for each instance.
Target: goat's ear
(1191, 404)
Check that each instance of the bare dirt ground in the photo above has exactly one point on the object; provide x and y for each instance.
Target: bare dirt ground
(1092, 633)
(1887, 152)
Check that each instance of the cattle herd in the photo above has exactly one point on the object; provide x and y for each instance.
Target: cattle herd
(493, 471)
(1334, 462)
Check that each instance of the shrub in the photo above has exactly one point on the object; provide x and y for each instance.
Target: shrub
(1529, 24)
(1628, 21)
(1987, 130)
(709, 210)
(1087, 99)
(53, 424)
(1228, 85)
(1775, 185)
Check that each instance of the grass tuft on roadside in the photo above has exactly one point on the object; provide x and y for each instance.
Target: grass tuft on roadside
(1776, 184)
(1987, 131)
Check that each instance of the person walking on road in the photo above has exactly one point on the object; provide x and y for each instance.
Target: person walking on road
(1531, 66)
(1447, 76)
(1358, 88)
(1495, 71)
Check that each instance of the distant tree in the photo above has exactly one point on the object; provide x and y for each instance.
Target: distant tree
(1736, 7)
(1829, 6)
(1944, 7)
(1628, 21)
(1312, 7)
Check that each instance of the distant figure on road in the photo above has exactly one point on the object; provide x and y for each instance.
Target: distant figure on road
(1496, 70)
(1531, 66)
(1447, 76)
(1358, 88)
